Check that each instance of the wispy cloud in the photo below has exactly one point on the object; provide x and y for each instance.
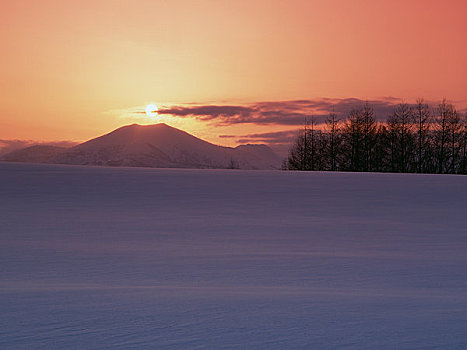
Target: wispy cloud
(288, 113)
(278, 137)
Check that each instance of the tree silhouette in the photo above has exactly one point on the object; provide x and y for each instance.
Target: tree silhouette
(410, 140)
(332, 124)
(400, 127)
(422, 115)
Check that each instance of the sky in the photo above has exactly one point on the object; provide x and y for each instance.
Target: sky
(225, 71)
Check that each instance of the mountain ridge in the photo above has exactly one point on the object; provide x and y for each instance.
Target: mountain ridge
(156, 145)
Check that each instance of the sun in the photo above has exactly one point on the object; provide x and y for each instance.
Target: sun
(151, 110)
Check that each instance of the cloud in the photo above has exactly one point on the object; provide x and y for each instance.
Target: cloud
(210, 111)
(278, 137)
(287, 113)
(279, 141)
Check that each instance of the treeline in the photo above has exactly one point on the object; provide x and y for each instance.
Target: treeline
(414, 139)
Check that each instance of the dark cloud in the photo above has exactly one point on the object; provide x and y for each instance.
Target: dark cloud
(284, 113)
(224, 114)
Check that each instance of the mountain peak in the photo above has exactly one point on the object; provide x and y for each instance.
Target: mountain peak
(136, 125)
(157, 145)
(147, 126)
(135, 132)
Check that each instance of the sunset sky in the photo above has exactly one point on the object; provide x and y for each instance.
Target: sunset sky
(226, 71)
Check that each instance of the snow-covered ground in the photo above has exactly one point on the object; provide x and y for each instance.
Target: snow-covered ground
(107, 258)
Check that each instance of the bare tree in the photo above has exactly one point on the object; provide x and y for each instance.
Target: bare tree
(411, 140)
(360, 138)
(463, 146)
(441, 134)
(302, 153)
(369, 135)
(332, 124)
(297, 153)
(454, 129)
(400, 126)
(382, 156)
(422, 114)
(313, 145)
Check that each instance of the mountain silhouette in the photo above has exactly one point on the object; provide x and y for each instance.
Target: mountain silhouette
(158, 146)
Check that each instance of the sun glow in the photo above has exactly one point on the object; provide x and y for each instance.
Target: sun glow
(151, 110)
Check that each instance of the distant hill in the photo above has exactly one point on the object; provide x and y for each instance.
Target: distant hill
(34, 154)
(158, 146)
(9, 146)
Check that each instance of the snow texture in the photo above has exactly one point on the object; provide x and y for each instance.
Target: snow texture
(110, 258)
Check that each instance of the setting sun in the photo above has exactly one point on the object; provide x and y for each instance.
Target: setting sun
(151, 110)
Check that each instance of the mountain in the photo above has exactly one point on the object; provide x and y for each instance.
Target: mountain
(34, 154)
(158, 146)
(9, 146)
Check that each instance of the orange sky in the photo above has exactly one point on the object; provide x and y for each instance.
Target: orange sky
(70, 70)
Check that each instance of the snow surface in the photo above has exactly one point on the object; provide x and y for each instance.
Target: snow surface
(107, 258)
